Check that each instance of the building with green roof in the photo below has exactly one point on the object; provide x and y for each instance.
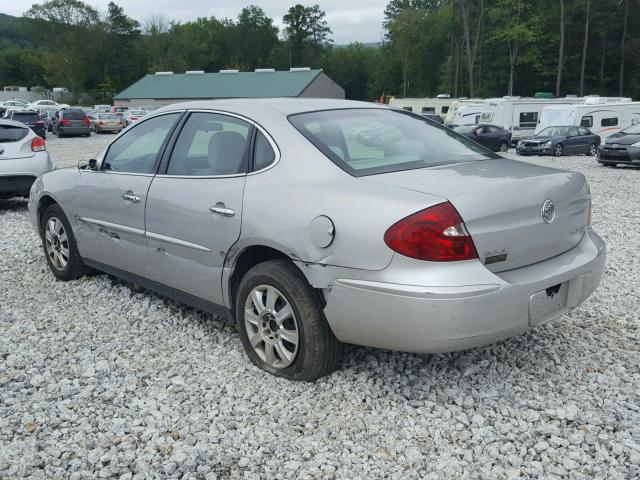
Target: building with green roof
(163, 88)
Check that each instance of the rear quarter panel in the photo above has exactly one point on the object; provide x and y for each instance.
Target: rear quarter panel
(280, 204)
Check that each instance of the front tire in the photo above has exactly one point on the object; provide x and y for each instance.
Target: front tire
(60, 246)
(281, 323)
(558, 150)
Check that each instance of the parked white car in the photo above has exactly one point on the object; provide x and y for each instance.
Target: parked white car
(44, 103)
(23, 156)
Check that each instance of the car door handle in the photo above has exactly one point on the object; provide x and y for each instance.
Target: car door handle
(128, 197)
(221, 209)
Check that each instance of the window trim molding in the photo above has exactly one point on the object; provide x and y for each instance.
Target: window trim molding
(251, 122)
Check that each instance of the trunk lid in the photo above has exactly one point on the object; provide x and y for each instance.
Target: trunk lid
(501, 202)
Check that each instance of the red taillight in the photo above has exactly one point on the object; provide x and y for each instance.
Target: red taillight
(38, 145)
(100, 122)
(437, 234)
(39, 123)
(85, 121)
(64, 122)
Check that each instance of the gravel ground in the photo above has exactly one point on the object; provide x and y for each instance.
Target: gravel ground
(100, 379)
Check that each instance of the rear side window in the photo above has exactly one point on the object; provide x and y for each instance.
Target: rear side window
(138, 149)
(263, 154)
(528, 119)
(73, 115)
(211, 144)
(587, 121)
(11, 133)
(609, 122)
(584, 131)
(370, 141)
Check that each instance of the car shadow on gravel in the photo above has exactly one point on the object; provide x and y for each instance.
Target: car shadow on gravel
(13, 205)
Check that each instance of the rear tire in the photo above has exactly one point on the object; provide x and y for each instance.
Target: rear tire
(281, 323)
(558, 150)
(60, 246)
(592, 150)
(504, 146)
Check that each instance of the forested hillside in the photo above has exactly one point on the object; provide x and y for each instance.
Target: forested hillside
(461, 47)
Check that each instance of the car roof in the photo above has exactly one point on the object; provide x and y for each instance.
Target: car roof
(284, 106)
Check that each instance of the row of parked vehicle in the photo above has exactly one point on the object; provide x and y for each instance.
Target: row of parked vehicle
(45, 116)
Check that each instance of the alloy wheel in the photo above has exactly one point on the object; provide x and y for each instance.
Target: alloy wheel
(558, 150)
(57, 243)
(272, 327)
(593, 150)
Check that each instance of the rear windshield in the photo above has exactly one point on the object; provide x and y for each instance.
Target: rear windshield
(108, 116)
(26, 117)
(119, 109)
(74, 115)
(371, 141)
(12, 133)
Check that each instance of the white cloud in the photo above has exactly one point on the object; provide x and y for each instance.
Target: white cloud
(350, 20)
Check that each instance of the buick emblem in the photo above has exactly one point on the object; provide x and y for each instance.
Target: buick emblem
(548, 211)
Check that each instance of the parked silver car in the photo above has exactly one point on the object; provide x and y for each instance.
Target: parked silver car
(23, 156)
(314, 222)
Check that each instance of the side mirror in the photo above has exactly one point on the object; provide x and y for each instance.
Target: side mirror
(93, 164)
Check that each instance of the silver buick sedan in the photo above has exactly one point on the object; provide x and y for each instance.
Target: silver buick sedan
(319, 222)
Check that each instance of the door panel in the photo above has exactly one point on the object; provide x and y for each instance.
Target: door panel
(187, 241)
(111, 201)
(194, 211)
(110, 228)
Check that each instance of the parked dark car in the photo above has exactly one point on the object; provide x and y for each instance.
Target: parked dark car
(490, 136)
(30, 118)
(560, 140)
(622, 147)
(71, 122)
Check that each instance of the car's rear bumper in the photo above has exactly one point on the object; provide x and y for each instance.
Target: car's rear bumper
(108, 128)
(465, 305)
(74, 130)
(17, 175)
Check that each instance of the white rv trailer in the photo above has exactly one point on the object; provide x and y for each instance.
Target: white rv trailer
(460, 104)
(421, 106)
(599, 114)
(517, 114)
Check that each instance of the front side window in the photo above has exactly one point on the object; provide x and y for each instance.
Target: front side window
(609, 122)
(211, 144)
(528, 119)
(586, 121)
(138, 150)
(371, 141)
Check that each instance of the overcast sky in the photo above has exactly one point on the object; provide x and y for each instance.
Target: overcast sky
(350, 20)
